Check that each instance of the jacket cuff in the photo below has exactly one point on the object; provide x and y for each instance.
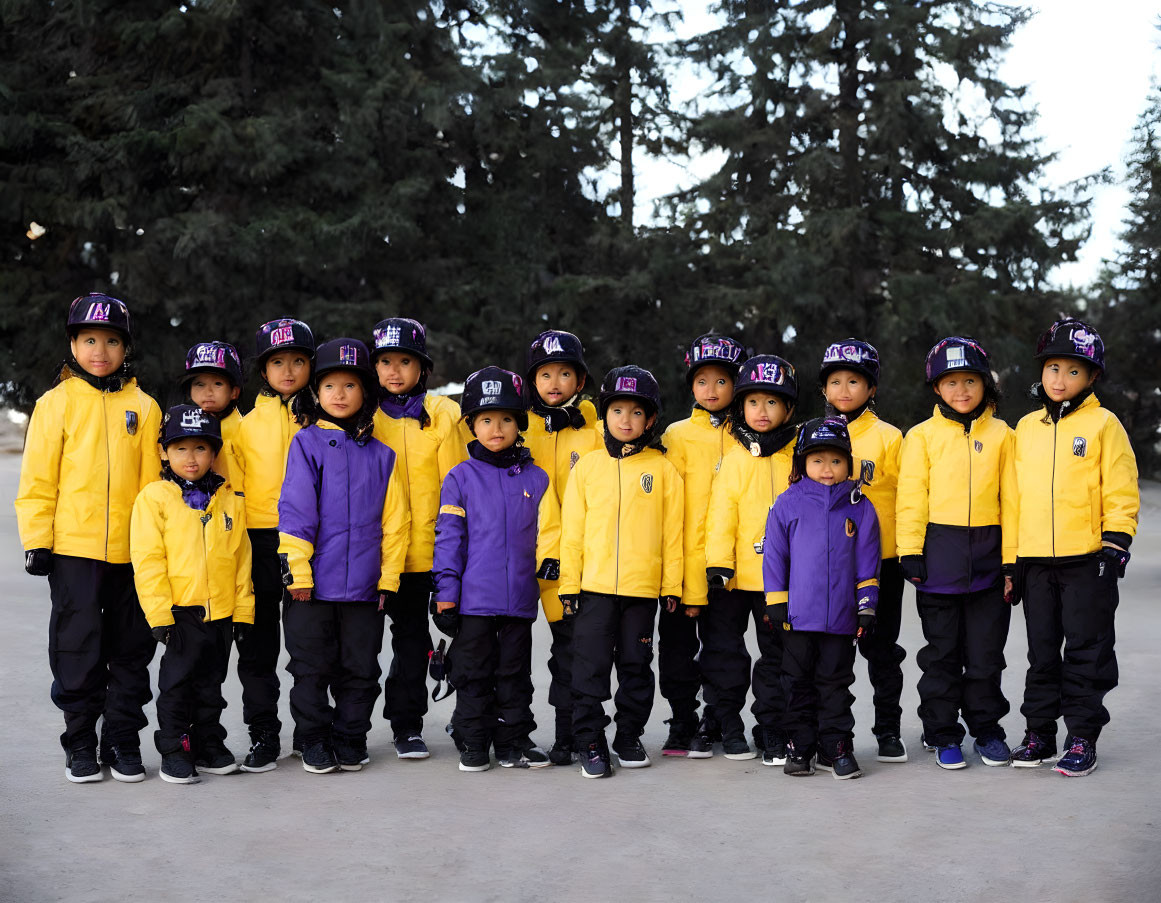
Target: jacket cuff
(1124, 540)
(781, 597)
(868, 595)
(388, 582)
(447, 588)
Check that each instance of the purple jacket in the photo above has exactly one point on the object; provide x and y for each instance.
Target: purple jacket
(821, 556)
(495, 526)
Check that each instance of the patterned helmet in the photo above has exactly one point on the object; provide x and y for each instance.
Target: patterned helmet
(851, 354)
(98, 311)
(213, 357)
(767, 373)
(555, 346)
(401, 334)
(497, 389)
(957, 353)
(188, 421)
(286, 334)
(713, 349)
(1072, 338)
(630, 381)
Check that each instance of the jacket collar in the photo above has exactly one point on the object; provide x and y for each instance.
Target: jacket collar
(710, 419)
(969, 420)
(834, 496)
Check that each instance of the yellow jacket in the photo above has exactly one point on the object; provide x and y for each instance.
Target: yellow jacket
(184, 557)
(743, 491)
(880, 443)
(557, 453)
(1077, 479)
(257, 462)
(424, 456)
(957, 479)
(621, 526)
(696, 448)
(224, 463)
(86, 456)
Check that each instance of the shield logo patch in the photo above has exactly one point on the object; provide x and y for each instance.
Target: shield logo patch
(979, 446)
(647, 482)
(1079, 446)
(851, 530)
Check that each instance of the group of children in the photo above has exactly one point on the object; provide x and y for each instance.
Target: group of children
(350, 494)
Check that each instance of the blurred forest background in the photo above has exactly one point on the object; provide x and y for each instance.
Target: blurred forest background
(469, 163)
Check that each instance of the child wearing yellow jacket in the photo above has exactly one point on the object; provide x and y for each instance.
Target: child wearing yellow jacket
(561, 429)
(213, 382)
(621, 554)
(696, 447)
(850, 380)
(424, 432)
(91, 447)
(1079, 503)
(284, 349)
(191, 565)
(754, 473)
(956, 533)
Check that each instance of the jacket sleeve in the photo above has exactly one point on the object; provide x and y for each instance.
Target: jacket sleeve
(150, 448)
(452, 450)
(298, 504)
(776, 558)
(911, 501)
(548, 526)
(1120, 492)
(868, 550)
(451, 542)
(721, 524)
(147, 552)
(243, 585)
(572, 531)
(36, 496)
(1009, 499)
(672, 534)
(396, 530)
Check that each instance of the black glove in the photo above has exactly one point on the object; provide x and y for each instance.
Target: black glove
(1111, 556)
(241, 632)
(778, 615)
(717, 578)
(284, 562)
(38, 562)
(914, 568)
(446, 622)
(385, 598)
(162, 634)
(669, 604)
(549, 570)
(571, 603)
(866, 623)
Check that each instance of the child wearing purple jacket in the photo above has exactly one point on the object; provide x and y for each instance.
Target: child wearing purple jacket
(498, 519)
(820, 568)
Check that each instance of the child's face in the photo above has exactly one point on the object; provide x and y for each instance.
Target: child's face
(713, 387)
(190, 459)
(827, 466)
(340, 392)
(287, 373)
(962, 392)
(212, 392)
(398, 371)
(1064, 378)
(100, 352)
(557, 383)
(847, 391)
(764, 412)
(627, 420)
(496, 430)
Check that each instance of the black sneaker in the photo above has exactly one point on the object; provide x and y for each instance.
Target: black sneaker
(410, 746)
(891, 748)
(1079, 760)
(1037, 749)
(214, 758)
(264, 749)
(840, 762)
(736, 748)
(595, 762)
(318, 757)
(773, 745)
(798, 765)
(524, 756)
(563, 751)
(681, 734)
(124, 763)
(81, 765)
(474, 757)
(629, 751)
(178, 768)
(708, 732)
(351, 752)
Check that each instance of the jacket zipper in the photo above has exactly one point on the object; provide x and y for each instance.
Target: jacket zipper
(1052, 489)
(206, 519)
(617, 564)
(108, 468)
(826, 521)
(504, 511)
(971, 557)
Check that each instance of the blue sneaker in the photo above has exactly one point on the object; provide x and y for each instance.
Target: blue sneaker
(1081, 759)
(950, 757)
(994, 751)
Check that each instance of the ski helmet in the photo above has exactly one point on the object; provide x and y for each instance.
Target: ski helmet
(494, 388)
(822, 432)
(710, 348)
(1072, 338)
(555, 346)
(767, 373)
(283, 335)
(630, 381)
(345, 354)
(188, 421)
(98, 311)
(957, 353)
(213, 357)
(401, 334)
(851, 354)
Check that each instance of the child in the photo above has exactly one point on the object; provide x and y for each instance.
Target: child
(498, 516)
(343, 522)
(956, 523)
(284, 349)
(850, 378)
(191, 565)
(620, 555)
(1079, 503)
(695, 446)
(754, 472)
(423, 431)
(560, 430)
(820, 568)
(213, 382)
(91, 447)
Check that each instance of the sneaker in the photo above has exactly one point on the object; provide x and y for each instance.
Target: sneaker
(681, 734)
(264, 750)
(707, 733)
(351, 752)
(629, 751)
(891, 748)
(595, 762)
(214, 758)
(81, 765)
(474, 757)
(994, 751)
(1036, 749)
(798, 765)
(841, 762)
(563, 751)
(124, 763)
(737, 748)
(1081, 759)
(318, 757)
(178, 768)
(772, 743)
(411, 747)
(529, 756)
(950, 757)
